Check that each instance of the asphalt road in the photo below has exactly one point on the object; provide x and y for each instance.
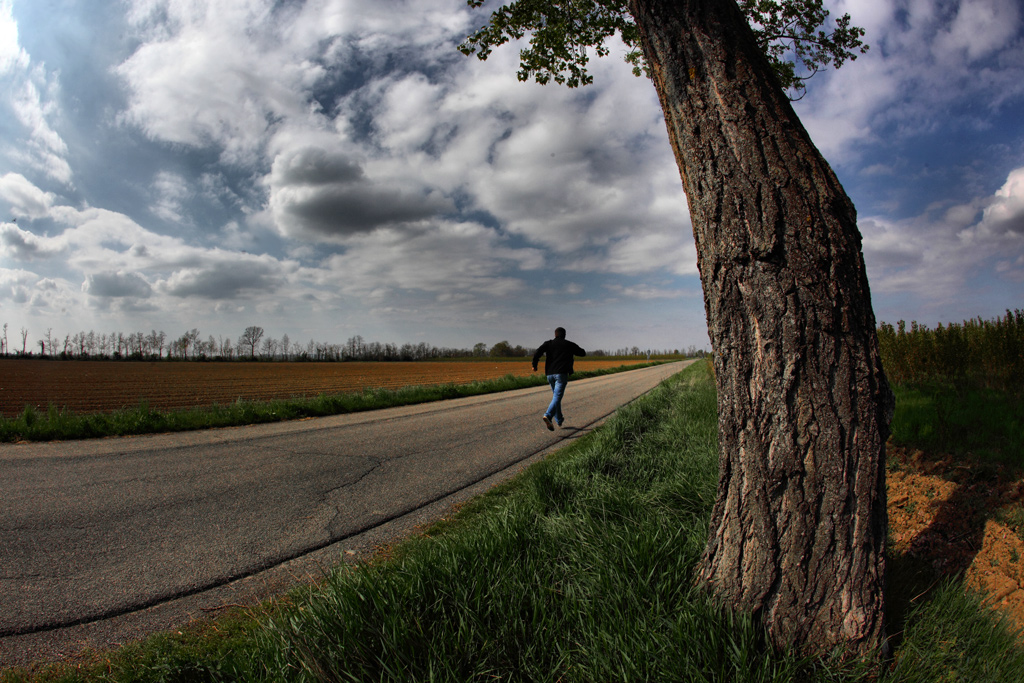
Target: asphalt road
(97, 533)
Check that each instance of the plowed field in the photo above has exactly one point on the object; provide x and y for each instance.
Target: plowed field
(98, 386)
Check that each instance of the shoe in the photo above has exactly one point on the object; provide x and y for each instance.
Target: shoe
(547, 421)
(560, 424)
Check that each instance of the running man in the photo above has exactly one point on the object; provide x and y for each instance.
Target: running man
(559, 354)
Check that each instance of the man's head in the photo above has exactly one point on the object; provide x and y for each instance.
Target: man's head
(559, 333)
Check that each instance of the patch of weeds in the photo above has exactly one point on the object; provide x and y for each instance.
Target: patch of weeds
(30, 416)
(1013, 517)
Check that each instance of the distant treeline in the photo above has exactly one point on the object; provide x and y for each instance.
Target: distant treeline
(254, 344)
(975, 354)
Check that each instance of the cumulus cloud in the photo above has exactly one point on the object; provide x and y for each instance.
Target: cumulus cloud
(935, 254)
(925, 58)
(213, 73)
(409, 145)
(572, 172)
(564, 172)
(15, 285)
(314, 166)
(229, 279)
(317, 194)
(120, 260)
(400, 123)
(635, 255)
(26, 200)
(1005, 214)
(447, 260)
(117, 285)
(231, 73)
(22, 245)
(978, 28)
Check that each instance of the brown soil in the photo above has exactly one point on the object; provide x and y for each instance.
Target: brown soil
(953, 517)
(85, 386)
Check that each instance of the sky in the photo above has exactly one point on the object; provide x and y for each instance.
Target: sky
(332, 168)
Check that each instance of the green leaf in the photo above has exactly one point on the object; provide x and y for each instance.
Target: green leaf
(563, 33)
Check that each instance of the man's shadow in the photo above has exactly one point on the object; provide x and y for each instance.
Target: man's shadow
(950, 543)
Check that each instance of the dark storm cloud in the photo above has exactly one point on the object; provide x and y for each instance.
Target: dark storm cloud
(316, 167)
(342, 210)
(117, 285)
(223, 281)
(320, 194)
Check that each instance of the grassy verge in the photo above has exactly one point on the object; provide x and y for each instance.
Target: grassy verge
(578, 570)
(985, 424)
(60, 424)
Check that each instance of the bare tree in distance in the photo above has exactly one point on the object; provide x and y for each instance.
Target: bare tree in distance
(269, 349)
(156, 342)
(250, 338)
(227, 350)
(142, 346)
(193, 341)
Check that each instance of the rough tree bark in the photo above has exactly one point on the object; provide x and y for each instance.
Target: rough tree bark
(798, 530)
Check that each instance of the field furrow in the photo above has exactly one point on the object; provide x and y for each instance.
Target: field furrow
(101, 386)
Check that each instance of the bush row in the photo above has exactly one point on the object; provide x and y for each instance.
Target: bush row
(975, 354)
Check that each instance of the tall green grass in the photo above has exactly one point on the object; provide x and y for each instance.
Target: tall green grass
(61, 424)
(578, 570)
(975, 424)
(952, 637)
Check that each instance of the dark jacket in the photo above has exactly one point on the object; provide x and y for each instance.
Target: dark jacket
(559, 354)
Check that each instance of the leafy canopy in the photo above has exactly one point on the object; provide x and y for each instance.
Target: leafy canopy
(791, 33)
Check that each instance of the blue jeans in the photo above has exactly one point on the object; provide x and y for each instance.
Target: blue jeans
(557, 383)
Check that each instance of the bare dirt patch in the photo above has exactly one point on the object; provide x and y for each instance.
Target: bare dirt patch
(960, 519)
(85, 386)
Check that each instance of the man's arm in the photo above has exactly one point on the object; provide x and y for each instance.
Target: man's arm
(538, 353)
(578, 351)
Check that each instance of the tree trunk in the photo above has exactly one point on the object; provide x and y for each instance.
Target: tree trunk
(798, 532)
